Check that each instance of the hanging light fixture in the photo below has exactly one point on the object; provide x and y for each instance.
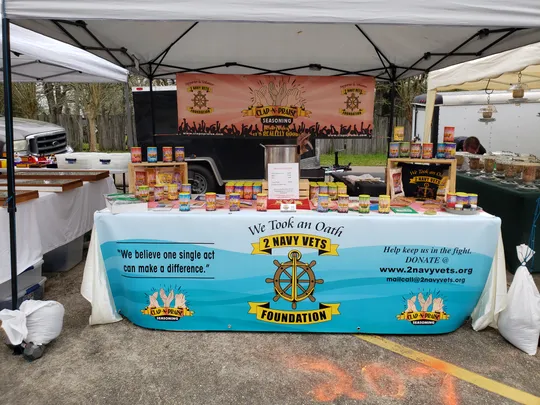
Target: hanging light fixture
(488, 110)
(518, 92)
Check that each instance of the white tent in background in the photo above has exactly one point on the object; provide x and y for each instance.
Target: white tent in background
(495, 72)
(35, 57)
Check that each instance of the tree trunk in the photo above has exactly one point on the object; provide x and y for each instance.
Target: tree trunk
(92, 132)
(51, 102)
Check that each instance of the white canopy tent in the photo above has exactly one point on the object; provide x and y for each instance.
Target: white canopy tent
(495, 72)
(35, 57)
(386, 39)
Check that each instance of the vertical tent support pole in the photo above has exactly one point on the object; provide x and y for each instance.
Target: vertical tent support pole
(151, 79)
(392, 106)
(11, 203)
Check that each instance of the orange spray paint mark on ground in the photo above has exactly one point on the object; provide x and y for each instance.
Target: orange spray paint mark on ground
(384, 381)
(341, 384)
(448, 390)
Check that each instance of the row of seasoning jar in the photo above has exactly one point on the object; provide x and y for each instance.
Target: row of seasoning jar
(364, 203)
(152, 154)
(418, 150)
(163, 191)
(246, 189)
(459, 201)
(333, 190)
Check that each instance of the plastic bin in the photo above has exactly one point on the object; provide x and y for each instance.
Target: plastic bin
(76, 161)
(65, 257)
(34, 292)
(113, 161)
(27, 278)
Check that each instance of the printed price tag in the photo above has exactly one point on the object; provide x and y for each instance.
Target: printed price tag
(288, 208)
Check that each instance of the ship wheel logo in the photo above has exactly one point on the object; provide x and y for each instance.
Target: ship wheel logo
(200, 101)
(294, 281)
(352, 103)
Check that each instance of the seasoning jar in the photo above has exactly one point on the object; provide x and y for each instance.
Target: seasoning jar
(257, 189)
(313, 190)
(234, 202)
(210, 201)
(364, 203)
(185, 200)
(529, 173)
(489, 164)
(343, 203)
(384, 204)
(332, 191)
(262, 202)
(474, 163)
(229, 188)
(144, 193)
(159, 192)
(323, 203)
(509, 171)
(416, 150)
(462, 199)
(248, 191)
(172, 192)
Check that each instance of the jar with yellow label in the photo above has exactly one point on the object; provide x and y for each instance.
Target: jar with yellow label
(144, 192)
(332, 191)
(384, 204)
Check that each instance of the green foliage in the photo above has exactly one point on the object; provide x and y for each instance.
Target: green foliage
(375, 159)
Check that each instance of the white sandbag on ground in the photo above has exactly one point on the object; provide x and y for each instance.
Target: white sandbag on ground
(519, 323)
(38, 322)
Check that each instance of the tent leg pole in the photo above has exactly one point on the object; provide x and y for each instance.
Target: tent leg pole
(151, 78)
(392, 108)
(11, 204)
(129, 117)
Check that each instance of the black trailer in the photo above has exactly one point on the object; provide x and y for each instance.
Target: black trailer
(212, 159)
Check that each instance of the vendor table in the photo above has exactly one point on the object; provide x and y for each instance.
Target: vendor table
(291, 272)
(514, 207)
(50, 221)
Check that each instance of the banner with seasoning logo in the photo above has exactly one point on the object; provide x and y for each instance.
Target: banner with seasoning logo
(275, 106)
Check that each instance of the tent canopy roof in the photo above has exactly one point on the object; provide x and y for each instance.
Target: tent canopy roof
(36, 57)
(315, 37)
(495, 72)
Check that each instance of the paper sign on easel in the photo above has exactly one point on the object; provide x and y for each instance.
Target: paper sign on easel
(283, 181)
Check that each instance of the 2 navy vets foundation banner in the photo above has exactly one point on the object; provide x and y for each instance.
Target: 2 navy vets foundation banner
(302, 272)
(275, 106)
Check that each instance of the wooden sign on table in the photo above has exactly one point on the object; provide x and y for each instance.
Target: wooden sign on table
(46, 185)
(20, 196)
(84, 175)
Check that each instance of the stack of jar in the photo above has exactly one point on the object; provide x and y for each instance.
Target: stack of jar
(416, 150)
(460, 201)
(152, 154)
(162, 192)
(333, 190)
(247, 190)
(321, 193)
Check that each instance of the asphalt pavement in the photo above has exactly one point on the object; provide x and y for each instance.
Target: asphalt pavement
(124, 364)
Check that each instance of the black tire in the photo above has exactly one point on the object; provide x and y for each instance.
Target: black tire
(202, 180)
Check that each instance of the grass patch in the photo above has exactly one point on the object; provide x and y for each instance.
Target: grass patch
(375, 159)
